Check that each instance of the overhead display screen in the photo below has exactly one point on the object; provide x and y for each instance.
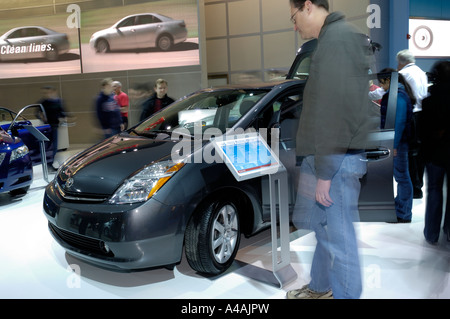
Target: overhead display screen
(51, 38)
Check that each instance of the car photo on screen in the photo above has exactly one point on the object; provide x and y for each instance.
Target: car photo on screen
(37, 49)
(33, 42)
(140, 31)
(130, 39)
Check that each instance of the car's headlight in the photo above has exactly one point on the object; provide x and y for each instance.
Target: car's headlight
(145, 183)
(19, 153)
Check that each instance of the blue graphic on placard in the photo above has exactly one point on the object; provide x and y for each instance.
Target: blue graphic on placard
(248, 156)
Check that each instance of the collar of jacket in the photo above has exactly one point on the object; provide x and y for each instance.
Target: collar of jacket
(332, 17)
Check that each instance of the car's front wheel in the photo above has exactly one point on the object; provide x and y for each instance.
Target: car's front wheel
(213, 236)
(102, 46)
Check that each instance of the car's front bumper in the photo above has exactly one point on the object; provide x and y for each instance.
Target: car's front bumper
(16, 175)
(126, 237)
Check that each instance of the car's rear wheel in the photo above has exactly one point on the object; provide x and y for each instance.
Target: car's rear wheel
(165, 42)
(213, 236)
(53, 54)
(102, 46)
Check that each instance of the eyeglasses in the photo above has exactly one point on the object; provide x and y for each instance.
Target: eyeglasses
(293, 16)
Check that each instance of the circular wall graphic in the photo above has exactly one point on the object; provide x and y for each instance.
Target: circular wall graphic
(423, 37)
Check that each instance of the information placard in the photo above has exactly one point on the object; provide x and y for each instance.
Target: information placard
(247, 155)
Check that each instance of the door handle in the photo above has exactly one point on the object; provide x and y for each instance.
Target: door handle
(377, 154)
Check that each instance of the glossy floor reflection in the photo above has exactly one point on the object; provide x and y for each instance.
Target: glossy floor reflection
(397, 263)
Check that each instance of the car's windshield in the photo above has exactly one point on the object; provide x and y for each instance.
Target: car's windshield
(220, 110)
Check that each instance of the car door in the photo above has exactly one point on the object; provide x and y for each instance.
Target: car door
(125, 37)
(281, 117)
(376, 201)
(146, 30)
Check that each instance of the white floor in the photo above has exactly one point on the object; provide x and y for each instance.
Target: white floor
(397, 263)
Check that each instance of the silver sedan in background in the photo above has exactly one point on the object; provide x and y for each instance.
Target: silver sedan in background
(140, 31)
(30, 42)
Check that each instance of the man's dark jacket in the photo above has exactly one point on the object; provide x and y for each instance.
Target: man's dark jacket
(148, 107)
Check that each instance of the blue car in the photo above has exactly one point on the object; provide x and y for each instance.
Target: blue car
(18, 125)
(16, 168)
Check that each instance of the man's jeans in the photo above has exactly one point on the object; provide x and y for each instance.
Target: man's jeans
(336, 260)
(404, 198)
(435, 200)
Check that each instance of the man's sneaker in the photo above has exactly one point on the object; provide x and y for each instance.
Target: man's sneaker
(306, 293)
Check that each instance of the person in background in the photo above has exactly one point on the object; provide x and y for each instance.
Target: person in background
(123, 101)
(330, 141)
(418, 81)
(107, 110)
(403, 118)
(156, 101)
(435, 137)
(54, 113)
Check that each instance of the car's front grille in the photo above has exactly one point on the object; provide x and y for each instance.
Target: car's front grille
(76, 197)
(91, 245)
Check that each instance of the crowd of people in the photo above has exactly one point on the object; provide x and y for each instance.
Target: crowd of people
(112, 104)
(422, 140)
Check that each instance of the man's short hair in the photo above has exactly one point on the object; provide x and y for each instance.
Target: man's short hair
(405, 57)
(161, 81)
(320, 3)
(117, 83)
(106, 81)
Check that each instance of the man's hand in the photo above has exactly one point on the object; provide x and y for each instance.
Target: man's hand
(323, 192)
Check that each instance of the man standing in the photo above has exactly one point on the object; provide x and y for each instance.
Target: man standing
(107, 109)
(418, 81)
(330, 140)
(158, 100)
(123, 101)
(54, 112)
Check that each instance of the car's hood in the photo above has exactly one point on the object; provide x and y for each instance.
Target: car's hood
(102, 168)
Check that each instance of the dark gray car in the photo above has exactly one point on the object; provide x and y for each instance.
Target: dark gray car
(140, 31)
(137, 199)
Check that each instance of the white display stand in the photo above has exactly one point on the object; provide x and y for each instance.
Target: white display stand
(63, 137)
(248, 156)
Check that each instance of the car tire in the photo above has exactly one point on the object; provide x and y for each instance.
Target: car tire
(212, 237)
(52, 55)
(19, 192)
(102, 46)
(164, 42)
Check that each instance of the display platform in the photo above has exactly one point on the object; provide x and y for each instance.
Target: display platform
(35, 267)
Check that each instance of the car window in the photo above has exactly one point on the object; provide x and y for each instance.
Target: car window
(126, 23)
(220, 110)
(33, 32)
(285, 107)
(147, 19)
(302, 71)
(16, 34)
